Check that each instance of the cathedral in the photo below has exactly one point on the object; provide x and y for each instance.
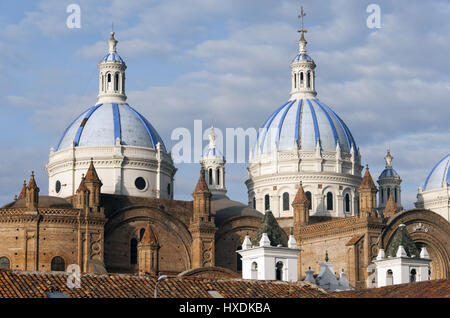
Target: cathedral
(111, 208)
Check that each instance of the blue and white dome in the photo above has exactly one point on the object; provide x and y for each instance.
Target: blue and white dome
(303, 124)
(112, 57)
(102, 124)
(438, 175)
(389, 172)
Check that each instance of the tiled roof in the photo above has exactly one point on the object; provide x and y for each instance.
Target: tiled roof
(427, 289)
(36, 284)
(367, 181)
(201, 184)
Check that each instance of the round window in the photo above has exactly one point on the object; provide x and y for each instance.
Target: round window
(58, 186)
(140, 183)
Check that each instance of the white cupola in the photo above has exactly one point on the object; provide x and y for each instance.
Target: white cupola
(111, 76)
(213, 163)
(302, 67)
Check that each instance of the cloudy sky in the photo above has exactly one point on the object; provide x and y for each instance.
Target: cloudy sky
(227, 63)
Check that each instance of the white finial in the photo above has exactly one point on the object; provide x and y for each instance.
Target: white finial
(388, 158)
(264, 241)
(212, 138)
(247, 243)
(112, 42)
(424, 253)
(292, 243)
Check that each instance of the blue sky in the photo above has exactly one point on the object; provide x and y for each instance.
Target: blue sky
(227, 63)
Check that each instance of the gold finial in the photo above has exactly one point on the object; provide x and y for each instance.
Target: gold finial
(302, 14)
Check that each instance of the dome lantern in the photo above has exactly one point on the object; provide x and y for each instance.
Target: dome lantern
(302, 67)
(111, 76)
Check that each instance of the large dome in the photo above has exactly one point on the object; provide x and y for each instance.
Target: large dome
(438, 175)
(102, 124)
(304, 123)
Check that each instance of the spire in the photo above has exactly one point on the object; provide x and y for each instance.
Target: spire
(201, 186)
(149, 237)
(367, 181)
(32, 182)
(391, 207)
(401, 237)
(270, 226)
(23, 191)
(91, 174)
(300, 197)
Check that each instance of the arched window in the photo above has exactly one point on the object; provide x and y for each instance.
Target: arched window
(218, 176)
(389, 277)
(395, 195)
(266, 202)
(382, 195)
(116, 82)
(141, 234)
(109, 81)
(295, 80)
(254, 270)
(308, 196)
(5, 263)
(103, 83)
(388, 193)
(210, 176)
(58, 264)
(301, 79)
(285, 201)
(239, 260)
(133, 251)
(254, 203)
(412, 276)
(347, 203)
(329, 201)
(308, 80)
(279, 271)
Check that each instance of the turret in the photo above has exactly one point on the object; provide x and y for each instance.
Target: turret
(213, 162)
(301, 208)
(32, 195)
(389, 182)
(367, 196)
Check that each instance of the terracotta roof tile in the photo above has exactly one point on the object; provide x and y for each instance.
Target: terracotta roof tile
(35, 284)
(426, 289)
(201, 184)
(23, 191)
(91, 174)
(300, 197)
(367, 181)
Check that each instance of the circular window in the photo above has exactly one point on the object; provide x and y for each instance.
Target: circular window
(140, 183)
(58, 186)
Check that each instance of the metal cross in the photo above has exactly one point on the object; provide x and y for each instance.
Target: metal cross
(302, 14)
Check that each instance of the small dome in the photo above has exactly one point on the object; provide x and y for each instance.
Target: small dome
(112, 57)
(388, 172)
(439, 174)
(303, 123)
(301, 57)
(102, 124)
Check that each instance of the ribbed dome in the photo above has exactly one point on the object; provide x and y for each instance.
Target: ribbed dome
(303, 123)
(389, 172)
(112, 57)
(102, 124)
(439, 174)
